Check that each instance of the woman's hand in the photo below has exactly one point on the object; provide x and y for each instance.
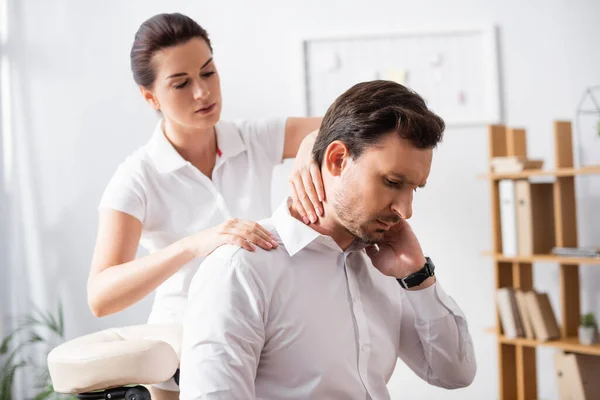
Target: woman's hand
(246, 234)
(306, 184)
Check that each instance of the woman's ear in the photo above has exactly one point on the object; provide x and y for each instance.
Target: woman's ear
(150, 98)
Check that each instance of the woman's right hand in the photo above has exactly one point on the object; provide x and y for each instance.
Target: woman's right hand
(246, 234)
(118, 279)
(306, 183)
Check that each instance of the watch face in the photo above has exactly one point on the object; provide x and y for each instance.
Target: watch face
(431, 265)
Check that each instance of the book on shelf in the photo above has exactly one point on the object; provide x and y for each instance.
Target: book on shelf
(514, 164)
(527, 314)
(576, 251)
(535, 217)
(526, 217)
(577, 376)
(509, 314)
(543, 319)
(508, 217)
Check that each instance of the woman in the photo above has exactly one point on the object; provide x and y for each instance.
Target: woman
(197, 184)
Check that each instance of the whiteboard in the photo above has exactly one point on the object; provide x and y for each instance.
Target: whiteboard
(455, 71)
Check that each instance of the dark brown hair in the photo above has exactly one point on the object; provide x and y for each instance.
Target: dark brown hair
(368, 111)
(156, 33)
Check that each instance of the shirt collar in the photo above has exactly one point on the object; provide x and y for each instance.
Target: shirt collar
(296, 235)
(167, 159)
(163, 154)
(229, 140)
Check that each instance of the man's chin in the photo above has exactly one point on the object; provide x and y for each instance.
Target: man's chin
(372, 237)
(366, 234)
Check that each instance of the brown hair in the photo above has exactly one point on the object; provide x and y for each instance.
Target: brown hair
(156, 33)
(368, 111)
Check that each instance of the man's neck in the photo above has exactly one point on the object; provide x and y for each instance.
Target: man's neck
(327, 225)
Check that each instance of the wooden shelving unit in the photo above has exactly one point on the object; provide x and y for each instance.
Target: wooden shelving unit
(544, 258)
(561, 172)
(517, 357)
(570, 344)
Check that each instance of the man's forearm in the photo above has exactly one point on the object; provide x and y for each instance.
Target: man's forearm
(446, 353)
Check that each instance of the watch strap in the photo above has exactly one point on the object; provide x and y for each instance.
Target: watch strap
(416, 278)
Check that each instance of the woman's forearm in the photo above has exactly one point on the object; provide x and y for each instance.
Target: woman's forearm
(118, 287)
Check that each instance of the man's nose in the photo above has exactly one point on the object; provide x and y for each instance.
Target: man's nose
(402, 205)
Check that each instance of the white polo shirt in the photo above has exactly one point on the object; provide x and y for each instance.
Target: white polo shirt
(173, 199)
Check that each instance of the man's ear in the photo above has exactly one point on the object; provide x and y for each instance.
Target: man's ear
(336, 158)
(150, 98)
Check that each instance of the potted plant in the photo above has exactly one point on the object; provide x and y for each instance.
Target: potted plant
(34, 332)
(587, 329)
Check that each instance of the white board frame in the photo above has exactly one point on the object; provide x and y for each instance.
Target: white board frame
(493, 113)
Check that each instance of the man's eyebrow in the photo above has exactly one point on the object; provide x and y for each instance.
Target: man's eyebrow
(177, 75)
(404, 179)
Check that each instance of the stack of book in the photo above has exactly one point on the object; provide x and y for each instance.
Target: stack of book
(514, 164)
(526, 217)
(577, 376)
(526, 314)
(576, 251)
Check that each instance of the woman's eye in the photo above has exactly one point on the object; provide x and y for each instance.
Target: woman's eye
(181, 85)
(208, 74)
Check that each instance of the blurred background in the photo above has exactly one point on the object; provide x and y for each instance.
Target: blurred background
(71, 113)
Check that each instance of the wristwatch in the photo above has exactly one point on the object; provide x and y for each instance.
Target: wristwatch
(416, 278)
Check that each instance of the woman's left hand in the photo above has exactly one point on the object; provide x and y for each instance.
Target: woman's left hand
(306, 184)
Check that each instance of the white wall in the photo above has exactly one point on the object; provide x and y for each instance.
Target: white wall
(79, 114)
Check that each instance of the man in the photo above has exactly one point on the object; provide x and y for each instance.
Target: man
(327, 313)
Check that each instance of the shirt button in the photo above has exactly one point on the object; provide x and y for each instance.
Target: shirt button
(355, 299)
(364, 347)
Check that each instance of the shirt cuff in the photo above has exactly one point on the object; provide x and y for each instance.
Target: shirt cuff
(432, 303)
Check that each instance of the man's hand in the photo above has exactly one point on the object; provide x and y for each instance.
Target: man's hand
(399, 254)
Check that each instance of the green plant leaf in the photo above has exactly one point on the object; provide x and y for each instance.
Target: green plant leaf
(6, 343)
(35, 338)
(44, 378)
(7, 379)
(47, 320)
(588, 320)
(9, 362)
(29, 321)
(31, 332)
(47, 393)
(61, 320)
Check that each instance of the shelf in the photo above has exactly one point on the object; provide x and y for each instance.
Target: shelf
(549, 258)
(570, 344)
(567, 344)
(517, 361)
(561, 172)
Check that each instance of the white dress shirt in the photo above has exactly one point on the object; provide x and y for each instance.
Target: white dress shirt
(173, 199)
(310, 321)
